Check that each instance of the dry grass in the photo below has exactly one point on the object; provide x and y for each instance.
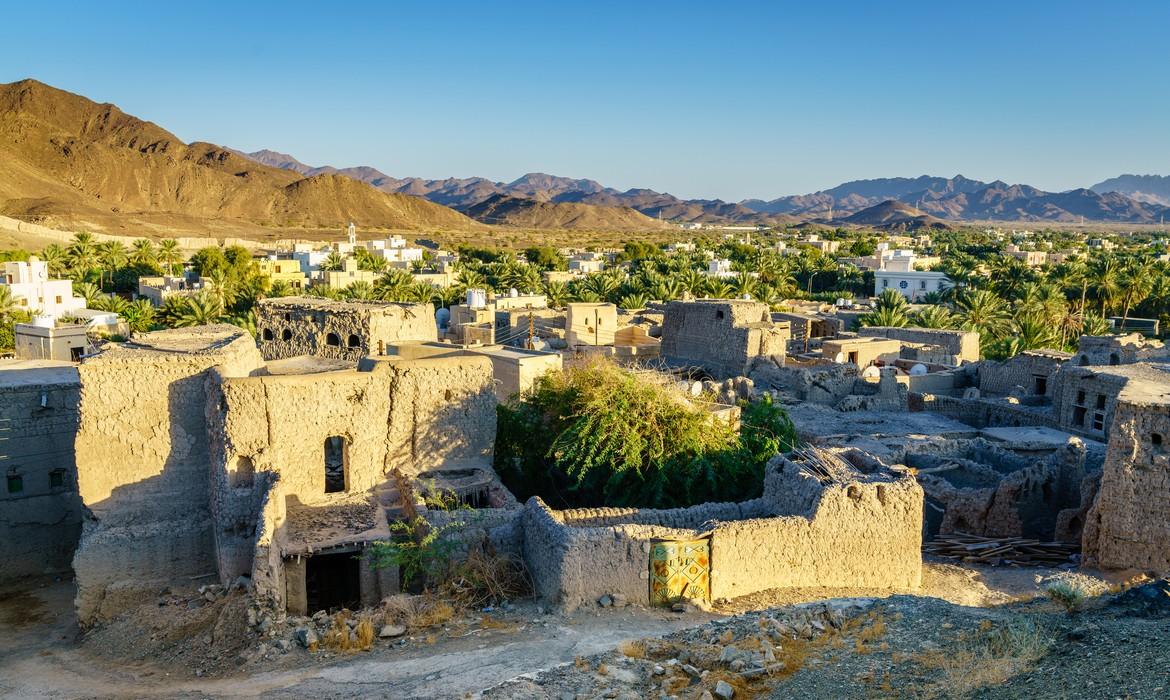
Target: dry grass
(340, 638)
(987, 658)
(486, 577)
(634, 649)
(490, 623)
(742, 688)
(417, 612)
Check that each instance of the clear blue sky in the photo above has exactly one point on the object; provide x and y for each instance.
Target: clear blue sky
(708, 99)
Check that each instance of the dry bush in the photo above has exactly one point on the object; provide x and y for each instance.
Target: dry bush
(490, 623)
(634, 649)
(742, 688)
(486, 577)
(1068, 595)
(364, 633)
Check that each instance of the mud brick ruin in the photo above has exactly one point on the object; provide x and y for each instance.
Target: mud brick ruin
(201, 453)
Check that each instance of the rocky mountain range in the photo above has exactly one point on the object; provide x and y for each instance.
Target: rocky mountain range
(1152, 189)
(948, 199)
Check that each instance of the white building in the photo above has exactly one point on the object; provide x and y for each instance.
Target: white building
(33, 290)
(586, 263)
(912, 285)
(720, 268)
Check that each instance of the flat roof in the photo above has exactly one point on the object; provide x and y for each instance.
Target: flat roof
(25, 373)
(1033, 434)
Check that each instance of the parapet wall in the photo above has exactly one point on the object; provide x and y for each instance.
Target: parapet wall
(861, 533)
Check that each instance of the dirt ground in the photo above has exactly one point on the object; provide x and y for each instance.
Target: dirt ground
(179, 647)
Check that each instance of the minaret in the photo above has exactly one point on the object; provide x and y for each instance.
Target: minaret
(352, 234)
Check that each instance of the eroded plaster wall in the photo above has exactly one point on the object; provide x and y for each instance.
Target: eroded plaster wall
(862, 533)
(143, 463)
(1127, 526)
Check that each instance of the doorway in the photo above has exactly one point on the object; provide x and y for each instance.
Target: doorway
(333, 582)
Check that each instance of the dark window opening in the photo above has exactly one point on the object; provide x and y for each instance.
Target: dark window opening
(1114, 358)
(333, 582)
(245, 472)
(268, 334)
(57, 479)
(1083, 361)
(1040, 385)
(353, 341)
(1099, 422)
(719, 314)
(1156, 441)
(1100, 401)
(286, 334)
(1080, 397)
(333, 340)
(336, 456)
(76, 353)
(1079, 416)
(15, 483)
(288, 317)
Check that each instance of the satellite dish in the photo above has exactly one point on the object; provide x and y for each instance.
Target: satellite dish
(918, 370)
(872, 371)
(839, 358)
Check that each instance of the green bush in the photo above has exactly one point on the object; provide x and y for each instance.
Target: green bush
(600, 435)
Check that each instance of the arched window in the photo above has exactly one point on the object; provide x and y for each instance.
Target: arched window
(336, 464)
(353, 341)
(245, 472)
(267, 334)
(1083, 361)
(333, 340)
(1114, 358)
(286, 334)
(1156, 441)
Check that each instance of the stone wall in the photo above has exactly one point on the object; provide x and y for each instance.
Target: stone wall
(720, 336)
(1128, 526)
(40, 511)
(861, 532)
(348, 330)
(1083, 399)
(963, 346)
(143, 463)
(983, 413)
(1117, 350)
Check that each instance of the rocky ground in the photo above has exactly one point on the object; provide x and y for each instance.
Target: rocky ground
(203, 642)
(899, 647)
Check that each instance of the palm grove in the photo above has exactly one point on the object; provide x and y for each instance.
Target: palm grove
(1013, 307)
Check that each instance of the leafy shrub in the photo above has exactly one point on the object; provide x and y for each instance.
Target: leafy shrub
(601, 435)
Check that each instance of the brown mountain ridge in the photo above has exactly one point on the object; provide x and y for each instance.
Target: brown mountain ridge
(71, 162)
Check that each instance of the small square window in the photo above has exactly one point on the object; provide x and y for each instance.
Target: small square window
(15, 483)
(57, 479)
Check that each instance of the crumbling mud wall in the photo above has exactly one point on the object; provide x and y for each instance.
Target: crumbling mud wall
(985, 490)
(347, 330)
(143, 463)
(857, 530)
(40, 511)
(823, 384)
(1118, 350)
(1031, 371)
(1129, 524)
(720, 336)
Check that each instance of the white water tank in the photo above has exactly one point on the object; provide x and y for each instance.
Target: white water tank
(43, 321)
(476, 298)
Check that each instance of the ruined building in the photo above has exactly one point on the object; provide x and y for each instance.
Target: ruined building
(40, 512)
(348, 330)
(720, 336)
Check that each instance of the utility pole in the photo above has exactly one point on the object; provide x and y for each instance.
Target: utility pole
(531, 332)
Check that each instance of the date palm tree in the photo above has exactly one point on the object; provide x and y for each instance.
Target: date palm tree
(56, 258)
(556, 293)
(198, 310)
(169, 254)
(984, 312)
(83, 255)
(333, 261)
(934, 317)
(142, 253)
(112, 255)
